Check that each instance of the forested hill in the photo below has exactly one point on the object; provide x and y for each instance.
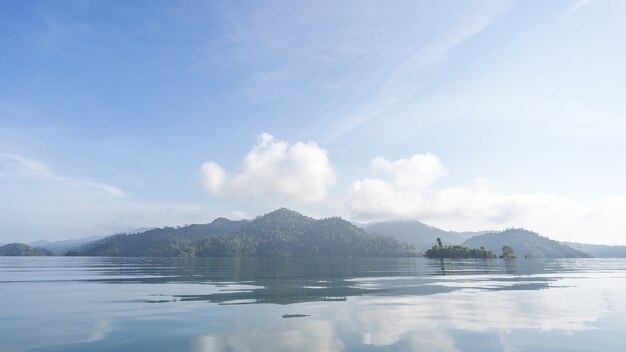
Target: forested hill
(525, 244)
(417, 233)
(20, 249)
(283, 233)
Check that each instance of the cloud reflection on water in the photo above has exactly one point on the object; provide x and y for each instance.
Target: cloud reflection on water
(435, 321)
(395, 305)
(306, 336)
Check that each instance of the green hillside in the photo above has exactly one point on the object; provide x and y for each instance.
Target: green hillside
(20, 249)
(283, 233)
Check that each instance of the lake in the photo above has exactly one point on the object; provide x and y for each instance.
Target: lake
(318, 304)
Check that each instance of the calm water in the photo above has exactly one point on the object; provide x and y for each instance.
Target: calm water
(202, 304)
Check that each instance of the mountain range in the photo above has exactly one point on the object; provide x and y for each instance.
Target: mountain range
(600, 250)
(526, 244)
(281, 233)
(288, 233)
(417, 233)
(62, 247)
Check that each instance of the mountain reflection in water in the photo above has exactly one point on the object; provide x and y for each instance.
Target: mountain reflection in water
(288, 280)
(310, 304)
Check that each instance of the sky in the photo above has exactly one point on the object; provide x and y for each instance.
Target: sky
(480, 115)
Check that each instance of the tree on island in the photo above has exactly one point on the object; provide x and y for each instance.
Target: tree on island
(508, 253)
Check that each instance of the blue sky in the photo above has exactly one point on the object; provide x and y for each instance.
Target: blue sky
(465, 115)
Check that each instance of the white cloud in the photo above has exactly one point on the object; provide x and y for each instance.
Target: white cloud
(418, 172)
(275, 173)
(37, 202)
(274, 170)
(237, 215)
(398, 193)
(406, 189)
(477, 207)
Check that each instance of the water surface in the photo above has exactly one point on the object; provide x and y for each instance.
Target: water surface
(319, 304)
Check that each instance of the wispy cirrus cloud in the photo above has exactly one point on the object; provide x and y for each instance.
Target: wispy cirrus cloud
(371, 55)
(36, 202)
(20, 166)
(575, 7)
(421, 66)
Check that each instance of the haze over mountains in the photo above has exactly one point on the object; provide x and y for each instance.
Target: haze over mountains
(62, 247)
(526, 244)
(288, 233)
(417, 233)
(600, 250)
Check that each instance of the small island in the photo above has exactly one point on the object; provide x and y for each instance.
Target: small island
(457, 251)
(508, 253)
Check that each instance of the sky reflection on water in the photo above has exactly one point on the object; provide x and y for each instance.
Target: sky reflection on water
(200, 304)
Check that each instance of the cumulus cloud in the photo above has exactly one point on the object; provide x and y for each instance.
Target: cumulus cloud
(274, 170)
(398, 190)
(418, 172)
(478, 206)
(407, 189)
(276, 173)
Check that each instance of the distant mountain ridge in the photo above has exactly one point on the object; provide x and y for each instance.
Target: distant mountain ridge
(419, 234)
(600, 250)
(63, 246)
(525, 244)
(285, 232)
(282, 232)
